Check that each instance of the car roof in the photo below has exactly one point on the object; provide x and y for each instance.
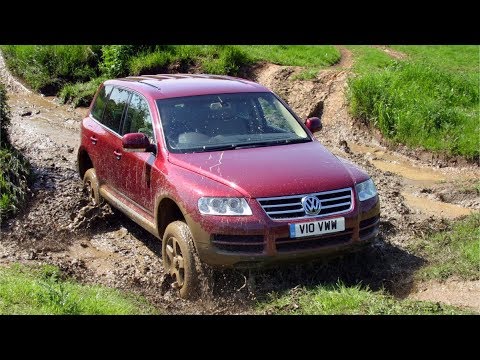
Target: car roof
(164, 86)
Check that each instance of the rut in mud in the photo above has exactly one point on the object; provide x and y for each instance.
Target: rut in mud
(103, 246)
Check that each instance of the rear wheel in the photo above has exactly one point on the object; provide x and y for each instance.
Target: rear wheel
(91, 187)
(180, 259)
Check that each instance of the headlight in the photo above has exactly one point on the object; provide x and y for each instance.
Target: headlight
(366, 190)
(223, 206)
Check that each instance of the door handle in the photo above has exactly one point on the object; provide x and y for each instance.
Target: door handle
(118, 155)
(94, 140)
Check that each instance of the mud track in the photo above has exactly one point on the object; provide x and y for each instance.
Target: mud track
(103, 246)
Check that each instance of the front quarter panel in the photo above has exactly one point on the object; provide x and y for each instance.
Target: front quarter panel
(185, 187)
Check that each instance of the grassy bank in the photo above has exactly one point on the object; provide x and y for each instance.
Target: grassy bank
(74, 72)
(454, 252)
(14, 168)
(47, 68)
(342, 300)
(41, 290)
(429, 100)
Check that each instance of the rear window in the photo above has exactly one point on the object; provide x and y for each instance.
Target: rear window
(137, 118)
(116, 103)
(99, 106)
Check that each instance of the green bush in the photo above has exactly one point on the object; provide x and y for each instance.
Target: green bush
(14, 179)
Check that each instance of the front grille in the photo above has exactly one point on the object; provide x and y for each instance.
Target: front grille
(290, 207)
(239, 243)
(289, 244)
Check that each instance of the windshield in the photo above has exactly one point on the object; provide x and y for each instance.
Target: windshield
(227, 121)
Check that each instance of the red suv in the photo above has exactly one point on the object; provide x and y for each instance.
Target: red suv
(223, 172)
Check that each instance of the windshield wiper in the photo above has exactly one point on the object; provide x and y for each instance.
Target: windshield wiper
(247, 145)
(254, 145)
(270, 143)
(216, 148)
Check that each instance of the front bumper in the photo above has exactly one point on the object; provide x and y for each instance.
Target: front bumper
(258, 240)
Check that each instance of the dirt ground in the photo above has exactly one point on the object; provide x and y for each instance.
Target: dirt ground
(103, 246)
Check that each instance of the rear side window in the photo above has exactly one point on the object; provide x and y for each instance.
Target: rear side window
(138, 117)
(114, 109)
(97, 109)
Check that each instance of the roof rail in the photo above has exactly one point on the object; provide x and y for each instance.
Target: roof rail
(150, 84)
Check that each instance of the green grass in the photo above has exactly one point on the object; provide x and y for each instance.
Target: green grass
(430, 100)
(41, 290)
(312, 57)
(455, 58)
(455, 252)
(342, 300)
(294, 55)
(368, 59)
(212, 59)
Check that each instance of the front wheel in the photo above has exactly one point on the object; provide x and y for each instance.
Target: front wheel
(180, 259)
(91, 186)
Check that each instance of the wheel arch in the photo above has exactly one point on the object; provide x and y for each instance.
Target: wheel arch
(84, 162)
(168, 211)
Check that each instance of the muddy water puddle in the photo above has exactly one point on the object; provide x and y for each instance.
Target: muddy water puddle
(39, 106)
(415, 178)
(386, 161)
(434, 207)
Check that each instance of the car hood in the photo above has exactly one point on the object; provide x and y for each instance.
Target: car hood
(275, 170)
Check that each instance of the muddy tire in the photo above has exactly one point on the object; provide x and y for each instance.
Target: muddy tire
(91, 187)
(180, 260)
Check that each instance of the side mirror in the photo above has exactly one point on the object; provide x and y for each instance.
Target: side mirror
(135, 142)
(313, 124)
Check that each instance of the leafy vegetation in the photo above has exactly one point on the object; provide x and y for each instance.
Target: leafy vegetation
(429, 99)
(14, 179)
(342, 300)
(14, 168)
(41, 290)
(455, 252)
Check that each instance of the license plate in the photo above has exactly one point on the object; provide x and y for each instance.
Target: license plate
(317, 227)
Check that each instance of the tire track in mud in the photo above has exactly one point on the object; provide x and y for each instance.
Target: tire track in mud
(103, 246)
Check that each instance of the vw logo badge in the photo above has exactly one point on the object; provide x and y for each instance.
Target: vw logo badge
(311, 205)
